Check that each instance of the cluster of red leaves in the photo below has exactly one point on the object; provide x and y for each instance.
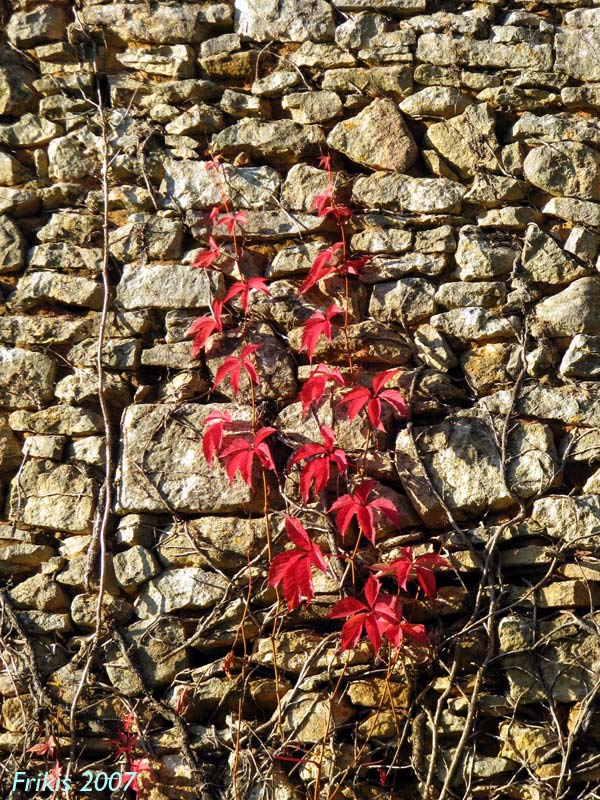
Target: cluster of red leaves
(237, 447)
(124, 745)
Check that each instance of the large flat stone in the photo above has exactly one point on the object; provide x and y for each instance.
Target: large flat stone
(165, 286)
(26, 378)
(162, 467)
(404, 193)
(284, 20)
(59, 497)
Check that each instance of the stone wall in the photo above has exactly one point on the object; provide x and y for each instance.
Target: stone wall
(465, 136)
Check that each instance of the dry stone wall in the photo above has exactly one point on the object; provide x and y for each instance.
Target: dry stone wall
(465, 137)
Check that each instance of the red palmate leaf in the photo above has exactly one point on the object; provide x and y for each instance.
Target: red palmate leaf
(204, 327)
(397, 631)
(292, 569)
(315, 385)
(419, 568)
(326, 206)
(206, 258)
(358, 505)
(372, 617)
(316, 326)
(212, 441)
(124, 744)
(322, 266)
(239, 454)
(232, 366)
(232, 220)
(214, 162)
(356, 399)
(324, 162)
(48, 747)
(139, 767)
(317, 470)
(244, 288)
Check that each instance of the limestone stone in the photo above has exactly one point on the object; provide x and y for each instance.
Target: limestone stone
(382, 268)
(84, 609)
(311, 719)
(72, 493)
(573, 520)
(10, 452)
(19, 202)
(576, 53)
(442, 49)
(571, 404)
(147, 237)
(240, 105)
(134, 566)
(565, 169)
(18, 330)
(44, 286)
(473, 323)
(571, 311)
(57, 420)
(433, 349)
(544, 261)
(408, 299)
(436, 101)
(468, 142)
(12, 247)
(395, 81)
(368, 340)
(198, 119)
(22, 557)
(156, 648)
(281, 142)
(382, 240)
(180, 287)
(583, 244)
(377, 137)
(46, 23)
(169, 61)
(189, 588)
(67, 257)
(70, 226)
(81, 388)
(193, 186)
(312, 107)
(17, 92)
(580, 212)
(395, 8)
(491, 366)
(29, 131)
(26, 378)
(175, 464)
(462, 439)
(49, 447)
(480, 257)
(404, 193)
(290, 20)
(12, 172)
(582, 358)
(494, 190)
(121, 354)
(458, 294)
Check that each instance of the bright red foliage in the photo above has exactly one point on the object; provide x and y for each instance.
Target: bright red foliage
(326, 206)
(357, 505)
(206, 258)
(244, 288)
(232, 366)
(356, 399)
(322, 266)
(239, 454)
(204, 327)
(49, 747)
(212, 441)
(314, 387)
(374, 617)
(124, 744)
(316, 326)
(420, 568)
(321, 456)
(292, 569)
(138, 766)
(231, 221)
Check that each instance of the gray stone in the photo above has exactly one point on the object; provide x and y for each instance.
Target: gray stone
(12, 172)
(475, 324)
(433, 349)
(312, 107)
(188, 23)
(573, 405)
(44, 287)
(134, 566)
(174, 463)
(169, 61)
(544, 261)
(82, 388)
(407, 300)
(49, 447)
(41, 593)
(19, 202)
(583, 244)
(10, 451)
(377, 137)
(12, 247)
(282, 142)
(457, 294)
(70, 226)
(554, 128)
(147, 237)
(84, 609)
(442, 49)
(240, 105)
(581, 212)
(57, 419)
(494, 190)
(67, 257)
(17, 93)
(463, 462)
(121, 354)
(73, 157)
(189, 588)
(293, 260)
(436, 101)
(180, 287)
(302, 184)
(176, 355)
(582, 358)
(566, 169)
(394, 81)
(29, 131)
(572, 311)
(27, 330)
(26, 378)
(321, 56)
(275, 83)
(576, 53)
(382, 268)
(200, 118)
(289, 20)
(47, 495)
(193, 186)
(468, 142)
(480, 257)
(90, 450)
(404, 193)
(382, 240)
(395, 8)
(46, 23)
(156, 647)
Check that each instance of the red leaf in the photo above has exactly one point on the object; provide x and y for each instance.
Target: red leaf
(206, 258)
(419, 568)
(239, 454)
(356, 399)
(138, 766)
(212, 440)
(317, 470)
(214, 161)
(49, 747)
(292, 569)
(124, 744)
(204, 327)
(232, 220)
(314, 387)
(324, 162)
(374, 616)
(316, 326)
(244, 288)
(357, 505)
(322, 266)
(232, 366)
